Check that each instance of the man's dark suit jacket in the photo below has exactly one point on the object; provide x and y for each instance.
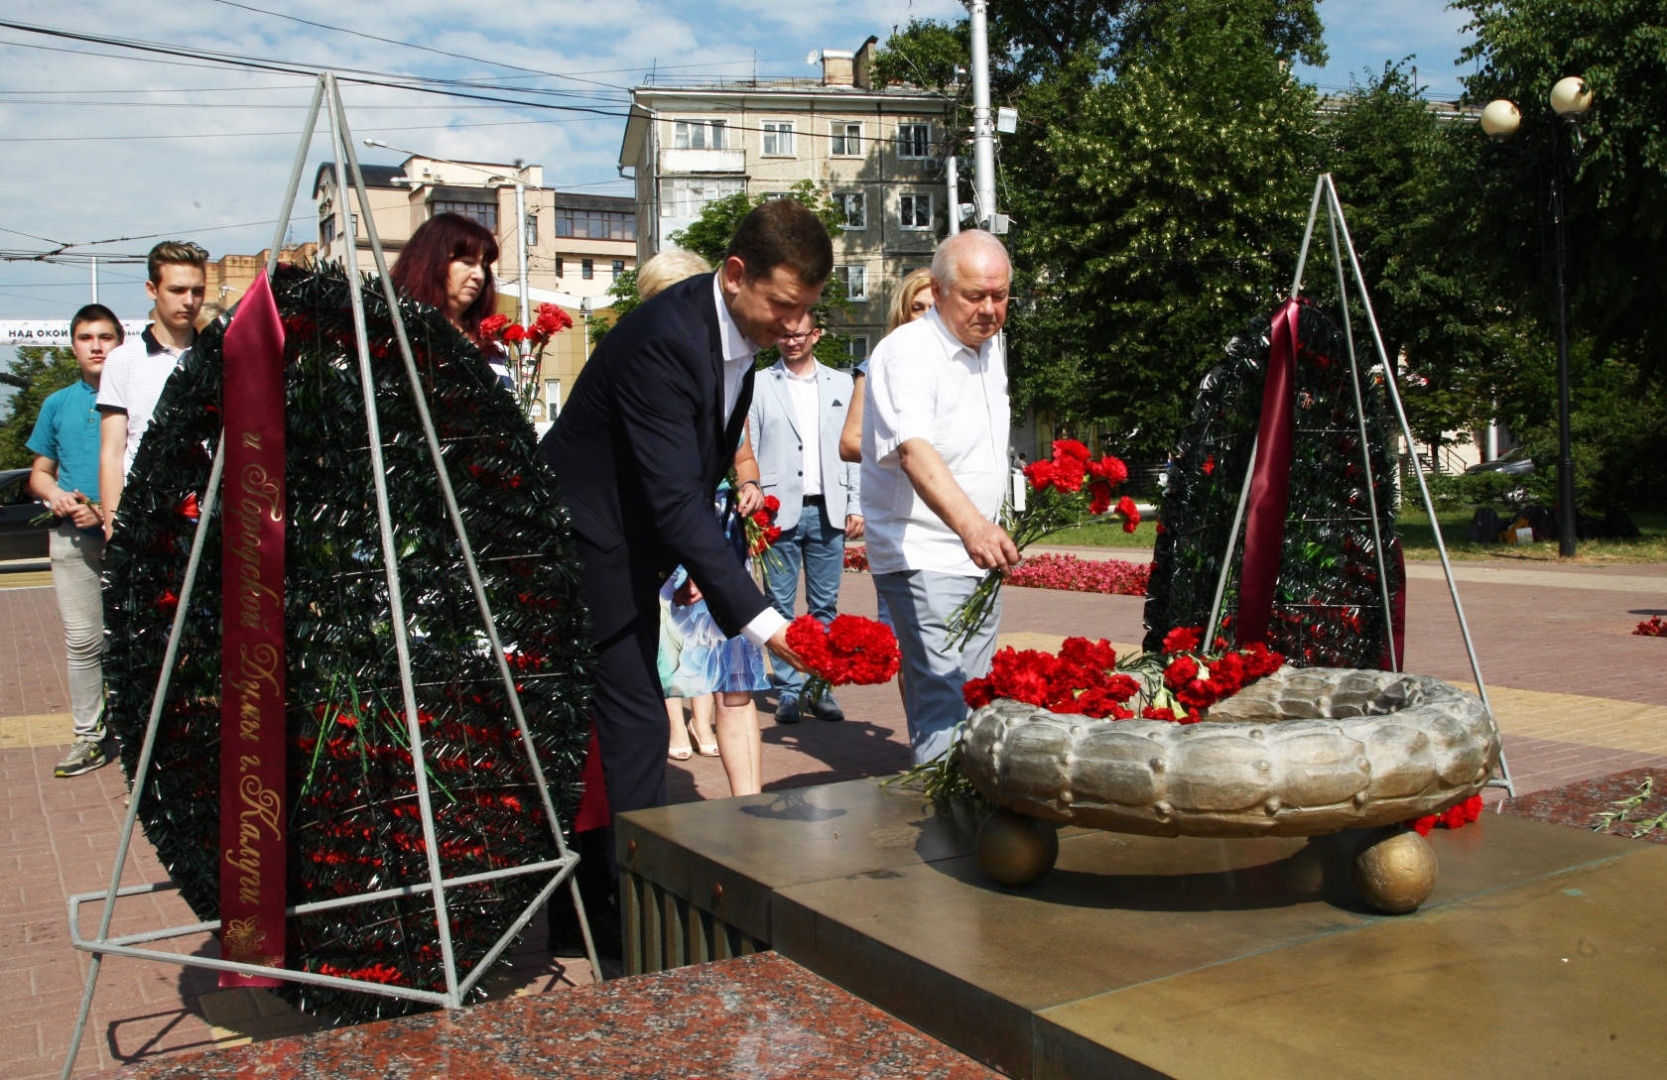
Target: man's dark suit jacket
(639, 451)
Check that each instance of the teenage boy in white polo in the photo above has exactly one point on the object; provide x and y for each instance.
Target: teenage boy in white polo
(136, 372)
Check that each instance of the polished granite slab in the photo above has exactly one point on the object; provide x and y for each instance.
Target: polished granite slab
(1541, 952)
(745, 1019)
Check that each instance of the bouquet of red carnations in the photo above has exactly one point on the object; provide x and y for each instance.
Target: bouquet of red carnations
(1067, 490)
(850, 650)
(762, 534)
(526, 344)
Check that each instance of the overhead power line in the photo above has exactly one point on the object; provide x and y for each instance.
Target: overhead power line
(421, 48)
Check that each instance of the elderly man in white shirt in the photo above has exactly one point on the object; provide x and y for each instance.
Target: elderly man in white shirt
(934, 474)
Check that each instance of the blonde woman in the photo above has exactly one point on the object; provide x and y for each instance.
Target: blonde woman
(912, 300)
(694, 658)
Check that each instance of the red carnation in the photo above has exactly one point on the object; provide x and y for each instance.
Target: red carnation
(1040, 474)
(1181, 671)
(1129, 513)
(1110, 469)
(1096, 655)
(1099, 497)
(1069, 453)
(493, 325)
(1182, 639)
(514, 334)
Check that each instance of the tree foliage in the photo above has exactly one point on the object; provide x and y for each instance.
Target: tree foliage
(709, 235)
(1171, 216)
(42, 371)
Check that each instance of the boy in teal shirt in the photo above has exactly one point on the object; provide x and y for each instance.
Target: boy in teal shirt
(65, 477)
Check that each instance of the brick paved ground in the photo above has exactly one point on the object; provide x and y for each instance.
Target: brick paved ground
(1575, 693)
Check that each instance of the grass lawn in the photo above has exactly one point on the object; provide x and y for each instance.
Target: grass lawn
(1418, 539)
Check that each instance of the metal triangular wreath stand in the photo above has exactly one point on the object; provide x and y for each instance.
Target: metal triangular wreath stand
(1325, 192)
(560, 868)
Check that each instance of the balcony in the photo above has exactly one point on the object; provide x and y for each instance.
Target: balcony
(702, 161)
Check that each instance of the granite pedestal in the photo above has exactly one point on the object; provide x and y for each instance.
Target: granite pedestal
(1541, 952)
(760, 1016)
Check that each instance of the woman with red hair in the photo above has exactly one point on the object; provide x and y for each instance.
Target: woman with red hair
(447, 264)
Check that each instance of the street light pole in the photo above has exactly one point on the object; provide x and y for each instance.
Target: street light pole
(1565, 448)
(1570, 99)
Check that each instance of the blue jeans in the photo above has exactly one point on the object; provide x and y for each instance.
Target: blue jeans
(920, 603)
(818, 547)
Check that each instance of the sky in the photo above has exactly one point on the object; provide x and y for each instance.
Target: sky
(104, 143)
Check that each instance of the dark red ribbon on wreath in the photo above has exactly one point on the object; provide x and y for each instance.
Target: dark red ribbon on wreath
(1270, 481)
(253, 840)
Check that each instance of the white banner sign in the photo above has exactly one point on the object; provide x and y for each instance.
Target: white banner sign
(47, 331)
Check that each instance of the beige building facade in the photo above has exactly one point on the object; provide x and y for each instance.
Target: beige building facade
(877, 152)
(577, 245)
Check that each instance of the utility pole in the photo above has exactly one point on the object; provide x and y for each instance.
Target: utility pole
(983, 130)
(94, 265)
(521, 240)
(952, 177)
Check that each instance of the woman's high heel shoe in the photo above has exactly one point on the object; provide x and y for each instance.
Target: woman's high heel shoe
(680, 753)
(707, 749)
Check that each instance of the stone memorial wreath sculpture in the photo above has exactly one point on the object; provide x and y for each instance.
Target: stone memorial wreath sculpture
(1287, 451)
(1299, 753)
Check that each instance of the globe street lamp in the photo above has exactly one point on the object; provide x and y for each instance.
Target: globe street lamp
(1570, 100)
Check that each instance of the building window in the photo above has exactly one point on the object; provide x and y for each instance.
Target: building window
(914, 140)
(552, 397)
(847, 140)
(855, 280)
(687, 196)
(596, 224)
(854, 206)
(698, 134)
(558, 265)
(915, 211)
(587, 269)
(619, 268)
(857, 348)
(532, 230)
(327, 229)
(484, 214)
(778, 138)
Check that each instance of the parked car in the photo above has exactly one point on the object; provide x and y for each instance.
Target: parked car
(18, 538)
(1514, 462)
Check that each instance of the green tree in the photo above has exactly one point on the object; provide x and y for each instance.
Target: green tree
(1615, 213)
(1405, 178)
(1168, 217)
(1616, 206)
(38, 373)
(1145, 221)
(709, 235)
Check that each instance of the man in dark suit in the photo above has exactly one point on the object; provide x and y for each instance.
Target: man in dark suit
(649, 430)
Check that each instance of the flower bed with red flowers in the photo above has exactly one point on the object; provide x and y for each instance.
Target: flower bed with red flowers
(856, 559)
(1654, 626)
(1052, 570)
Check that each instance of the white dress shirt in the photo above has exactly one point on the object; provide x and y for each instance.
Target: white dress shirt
(924, 383)
(739, 353)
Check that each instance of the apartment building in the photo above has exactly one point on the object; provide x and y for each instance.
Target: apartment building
(576, 244)
(876, 151)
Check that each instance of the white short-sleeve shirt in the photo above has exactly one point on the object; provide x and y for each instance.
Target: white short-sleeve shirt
(134, 374)
(924, 383)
